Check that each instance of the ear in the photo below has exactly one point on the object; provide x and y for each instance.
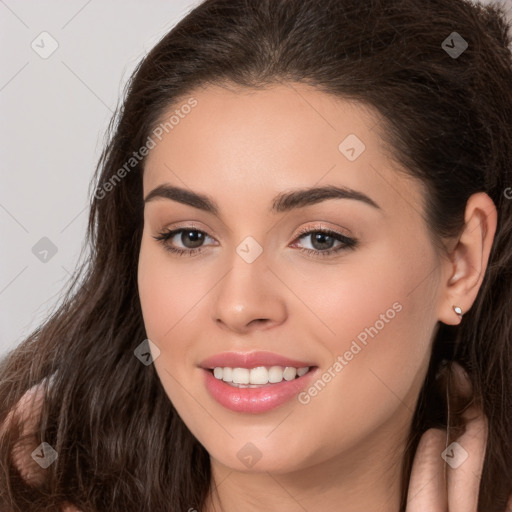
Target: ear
(465, 267)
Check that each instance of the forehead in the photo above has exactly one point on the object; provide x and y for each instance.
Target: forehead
(262, 141)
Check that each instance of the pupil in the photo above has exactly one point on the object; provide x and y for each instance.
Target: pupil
(195, 236)
(320, 237)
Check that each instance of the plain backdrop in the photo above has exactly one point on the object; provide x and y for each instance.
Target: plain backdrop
(63, 68)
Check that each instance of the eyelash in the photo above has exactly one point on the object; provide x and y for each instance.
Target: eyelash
(347, 243)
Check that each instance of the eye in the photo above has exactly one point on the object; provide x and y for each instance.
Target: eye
(323, 241)
(190, 237)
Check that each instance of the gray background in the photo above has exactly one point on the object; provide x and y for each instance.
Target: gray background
(54, 115)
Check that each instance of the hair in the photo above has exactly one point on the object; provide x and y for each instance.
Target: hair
(448, 121)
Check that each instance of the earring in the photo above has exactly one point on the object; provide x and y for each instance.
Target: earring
(458, 311)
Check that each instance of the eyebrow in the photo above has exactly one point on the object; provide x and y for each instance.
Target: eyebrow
(283, 202)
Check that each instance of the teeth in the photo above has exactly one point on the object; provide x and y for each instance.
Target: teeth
(240, 376)
(259, 375)
(275, 374)
(289, 373)
(225, 373)
(302, 371)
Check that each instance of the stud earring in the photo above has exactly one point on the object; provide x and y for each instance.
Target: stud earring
(458, 311)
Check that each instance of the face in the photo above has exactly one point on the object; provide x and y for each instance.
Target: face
(344, 285)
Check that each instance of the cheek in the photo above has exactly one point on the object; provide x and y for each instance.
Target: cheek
(167, 300)
(381, 316)
(172, 297)
(167, 294)
(382, 295)
(154, 292)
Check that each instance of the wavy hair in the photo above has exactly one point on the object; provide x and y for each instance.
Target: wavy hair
(121, 444)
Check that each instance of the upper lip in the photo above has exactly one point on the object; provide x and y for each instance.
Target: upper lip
(250, 360)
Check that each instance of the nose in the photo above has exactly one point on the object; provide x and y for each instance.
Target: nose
(249, 297)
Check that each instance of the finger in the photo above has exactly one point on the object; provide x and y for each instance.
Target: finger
(465, 456)
(465, 468)
(28, 410)
(427, 485)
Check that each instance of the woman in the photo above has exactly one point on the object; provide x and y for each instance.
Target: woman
(298, 294)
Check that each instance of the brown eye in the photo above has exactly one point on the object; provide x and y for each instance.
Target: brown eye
(322, 242)
(195, 237)
(191, 241)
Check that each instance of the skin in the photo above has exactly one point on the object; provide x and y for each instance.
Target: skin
(242, 147)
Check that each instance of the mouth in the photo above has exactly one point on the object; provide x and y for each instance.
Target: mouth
(258, 376)
(255, 382)
(259, 389)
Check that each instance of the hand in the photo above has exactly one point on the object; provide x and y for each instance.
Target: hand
(436, 486)
(28, 411)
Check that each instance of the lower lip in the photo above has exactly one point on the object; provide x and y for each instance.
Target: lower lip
(255, 400)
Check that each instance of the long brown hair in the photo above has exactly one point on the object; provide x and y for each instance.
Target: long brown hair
(447, 118)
